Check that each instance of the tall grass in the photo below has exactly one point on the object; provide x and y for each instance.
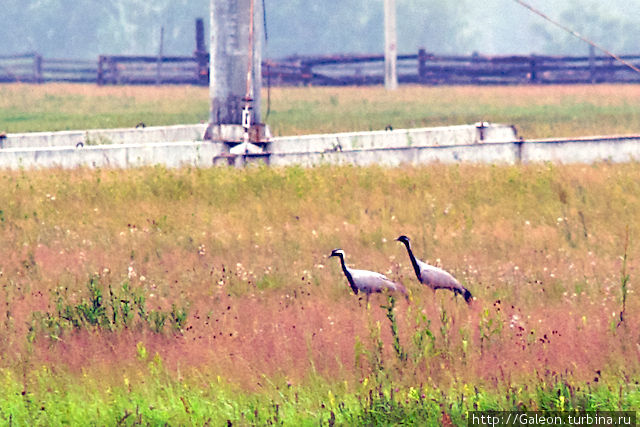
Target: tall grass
(261, 327)
(537, 111)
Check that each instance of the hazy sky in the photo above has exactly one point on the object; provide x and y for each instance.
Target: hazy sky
(87, 28)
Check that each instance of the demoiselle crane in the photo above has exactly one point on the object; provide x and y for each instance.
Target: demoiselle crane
(434, 277)
(367, 281)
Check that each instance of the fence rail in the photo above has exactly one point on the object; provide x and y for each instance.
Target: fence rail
(421, 68)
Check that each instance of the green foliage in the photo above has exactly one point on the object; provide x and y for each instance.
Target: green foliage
(424, 341)
(393, 324)
(624, 278)
(490, 325)
(96, 313)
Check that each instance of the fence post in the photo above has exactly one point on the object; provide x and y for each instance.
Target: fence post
(37, 68)
(100, 76)
(306, 74)
(592, 64)
(114, 74)
(422, 65)
(201, 55)
(533, 73)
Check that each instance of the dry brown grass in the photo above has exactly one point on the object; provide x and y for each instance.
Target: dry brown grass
(246, 251)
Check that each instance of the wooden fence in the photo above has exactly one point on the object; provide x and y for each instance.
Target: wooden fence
(121, 69)
(33, 68)
(430, 69)
(420, 68)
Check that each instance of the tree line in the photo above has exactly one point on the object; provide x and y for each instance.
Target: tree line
(87, 28)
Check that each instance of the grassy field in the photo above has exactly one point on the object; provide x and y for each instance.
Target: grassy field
(205, 296)
(197, 296)
(536, 111)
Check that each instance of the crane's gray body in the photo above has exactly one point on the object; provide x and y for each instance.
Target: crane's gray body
(434, 277)
(366, 281)
(370, 281)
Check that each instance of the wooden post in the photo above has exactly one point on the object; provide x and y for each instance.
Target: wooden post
(422, 65)
(390, 46)
(533, 73)
(100, 76)
(306, 74)
(113, 71)
(592, 64)
(37, 68)
(201, 55)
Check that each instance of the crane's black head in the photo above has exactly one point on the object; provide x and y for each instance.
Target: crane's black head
(404, 239)
(337, 252)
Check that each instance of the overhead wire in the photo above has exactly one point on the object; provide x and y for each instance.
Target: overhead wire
(267, 62)
(578, 35)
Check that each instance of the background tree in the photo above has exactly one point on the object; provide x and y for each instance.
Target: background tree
(87, 28)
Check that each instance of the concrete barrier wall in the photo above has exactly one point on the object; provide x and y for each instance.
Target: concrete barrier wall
(582, 150)
(481, 153)
(95, 137)
(402, 138)
(198, 154)
(387, 148)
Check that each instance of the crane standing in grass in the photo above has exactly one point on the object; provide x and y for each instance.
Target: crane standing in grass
(434, 277)
(367, 281)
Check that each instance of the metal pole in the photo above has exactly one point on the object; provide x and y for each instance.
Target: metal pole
(159, 59)
(390, 45)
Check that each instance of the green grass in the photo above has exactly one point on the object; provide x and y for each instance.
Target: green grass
(536, 111)
(29, 108)
(272, 333)
(158, 399)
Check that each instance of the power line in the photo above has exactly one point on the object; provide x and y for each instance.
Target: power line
(578, 35)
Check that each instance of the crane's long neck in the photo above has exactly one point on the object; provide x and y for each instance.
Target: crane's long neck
(347, 273)
(414, 261)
